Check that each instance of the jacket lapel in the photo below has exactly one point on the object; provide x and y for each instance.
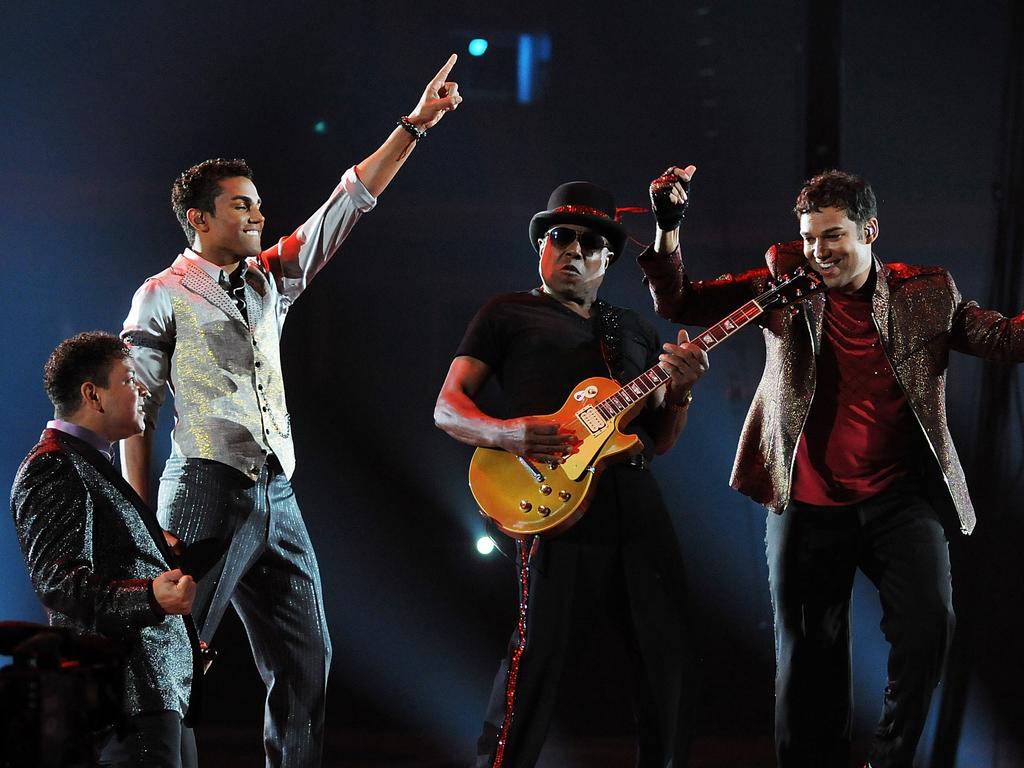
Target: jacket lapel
(880, 304)
(813, 309)
(111, 475)
(199, 282)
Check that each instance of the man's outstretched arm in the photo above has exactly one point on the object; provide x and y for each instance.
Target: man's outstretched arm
(296, 259)
(439, 97)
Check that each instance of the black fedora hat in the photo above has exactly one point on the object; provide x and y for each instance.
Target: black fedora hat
(585, 204)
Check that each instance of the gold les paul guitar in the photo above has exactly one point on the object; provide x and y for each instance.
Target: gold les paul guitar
(525, 497)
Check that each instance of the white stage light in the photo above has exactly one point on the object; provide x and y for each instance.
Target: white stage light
(484, 545)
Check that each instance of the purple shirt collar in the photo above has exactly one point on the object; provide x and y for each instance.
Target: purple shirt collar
(86, 435)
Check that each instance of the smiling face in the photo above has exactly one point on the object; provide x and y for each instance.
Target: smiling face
(572, 272)
(234, 230)
(837, 248)
(120, 401)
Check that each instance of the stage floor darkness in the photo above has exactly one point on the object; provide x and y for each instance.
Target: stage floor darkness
(241, 748)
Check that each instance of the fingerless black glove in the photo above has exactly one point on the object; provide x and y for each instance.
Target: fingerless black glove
(668, 214)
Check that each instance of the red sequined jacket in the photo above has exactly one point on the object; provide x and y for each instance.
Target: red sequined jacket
(920, 317)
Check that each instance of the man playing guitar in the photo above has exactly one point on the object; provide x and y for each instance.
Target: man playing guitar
(622, 555)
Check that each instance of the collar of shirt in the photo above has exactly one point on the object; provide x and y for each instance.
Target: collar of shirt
(209, 267)
(85, 435)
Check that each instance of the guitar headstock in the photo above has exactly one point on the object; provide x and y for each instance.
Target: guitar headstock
(791, 289)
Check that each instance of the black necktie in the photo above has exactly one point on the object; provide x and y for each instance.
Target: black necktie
(235, 286)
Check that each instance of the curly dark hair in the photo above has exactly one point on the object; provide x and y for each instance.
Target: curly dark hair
(838, 189)
(85, 357)
(199, 186)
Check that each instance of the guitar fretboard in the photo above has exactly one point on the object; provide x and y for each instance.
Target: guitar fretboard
(723, 329)
(651, 379)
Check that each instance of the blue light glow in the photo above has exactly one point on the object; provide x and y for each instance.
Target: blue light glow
(477, 46)
(531, 51)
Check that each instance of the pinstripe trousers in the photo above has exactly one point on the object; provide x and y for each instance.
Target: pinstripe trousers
(269, 573)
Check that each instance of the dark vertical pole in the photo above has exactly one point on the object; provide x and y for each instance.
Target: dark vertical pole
(824, 85)
(993, 486)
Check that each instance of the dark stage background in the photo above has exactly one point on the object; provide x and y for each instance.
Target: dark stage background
(103, 104)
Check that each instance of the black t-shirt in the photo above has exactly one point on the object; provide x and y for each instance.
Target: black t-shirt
(540, 350)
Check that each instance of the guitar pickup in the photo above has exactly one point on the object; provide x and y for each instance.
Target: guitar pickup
(592, 419)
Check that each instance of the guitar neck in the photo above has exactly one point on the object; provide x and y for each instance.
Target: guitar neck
(725, 328)
(655, 377)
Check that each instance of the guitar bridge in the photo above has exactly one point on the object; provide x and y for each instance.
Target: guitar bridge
(528, 465)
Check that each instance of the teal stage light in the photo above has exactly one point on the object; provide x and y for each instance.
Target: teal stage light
(477, 46)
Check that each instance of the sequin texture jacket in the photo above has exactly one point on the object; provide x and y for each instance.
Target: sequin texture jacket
(91, 556)
(920, 318)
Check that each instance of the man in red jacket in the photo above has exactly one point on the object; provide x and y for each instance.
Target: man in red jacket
(846, 442)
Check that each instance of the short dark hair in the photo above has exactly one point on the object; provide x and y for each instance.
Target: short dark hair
(85, 357)
(838, 189)
(199, 186)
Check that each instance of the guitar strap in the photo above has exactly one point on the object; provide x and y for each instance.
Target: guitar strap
(608, 321)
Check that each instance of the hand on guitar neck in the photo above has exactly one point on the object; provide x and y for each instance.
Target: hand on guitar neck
(685, 363)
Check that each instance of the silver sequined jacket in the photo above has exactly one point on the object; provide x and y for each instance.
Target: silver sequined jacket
(90, 557)
(920, 317)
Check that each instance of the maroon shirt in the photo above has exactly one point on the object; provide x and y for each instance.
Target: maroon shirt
(860, 432)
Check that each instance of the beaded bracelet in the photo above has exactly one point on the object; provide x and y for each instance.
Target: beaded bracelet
(416, 132)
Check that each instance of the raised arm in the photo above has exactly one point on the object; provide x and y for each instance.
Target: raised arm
(296, 259)
(669, 200)
(440, 96)
(457, 414)
(676, 296)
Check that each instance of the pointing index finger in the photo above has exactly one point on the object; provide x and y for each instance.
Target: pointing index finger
(442, 73)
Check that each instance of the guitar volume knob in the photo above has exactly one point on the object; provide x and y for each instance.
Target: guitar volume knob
(546, 490)
(543, 511)
(564, 495)
(525, 505)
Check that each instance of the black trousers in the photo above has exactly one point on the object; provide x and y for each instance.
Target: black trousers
(269, 573)
(623, 558)
(898, 541)
(151, 740)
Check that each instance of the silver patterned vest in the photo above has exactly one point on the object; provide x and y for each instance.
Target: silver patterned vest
(225, 373)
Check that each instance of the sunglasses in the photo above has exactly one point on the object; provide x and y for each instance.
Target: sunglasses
(563, 237)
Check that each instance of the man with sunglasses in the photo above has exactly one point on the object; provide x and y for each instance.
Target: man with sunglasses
(622, 557)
